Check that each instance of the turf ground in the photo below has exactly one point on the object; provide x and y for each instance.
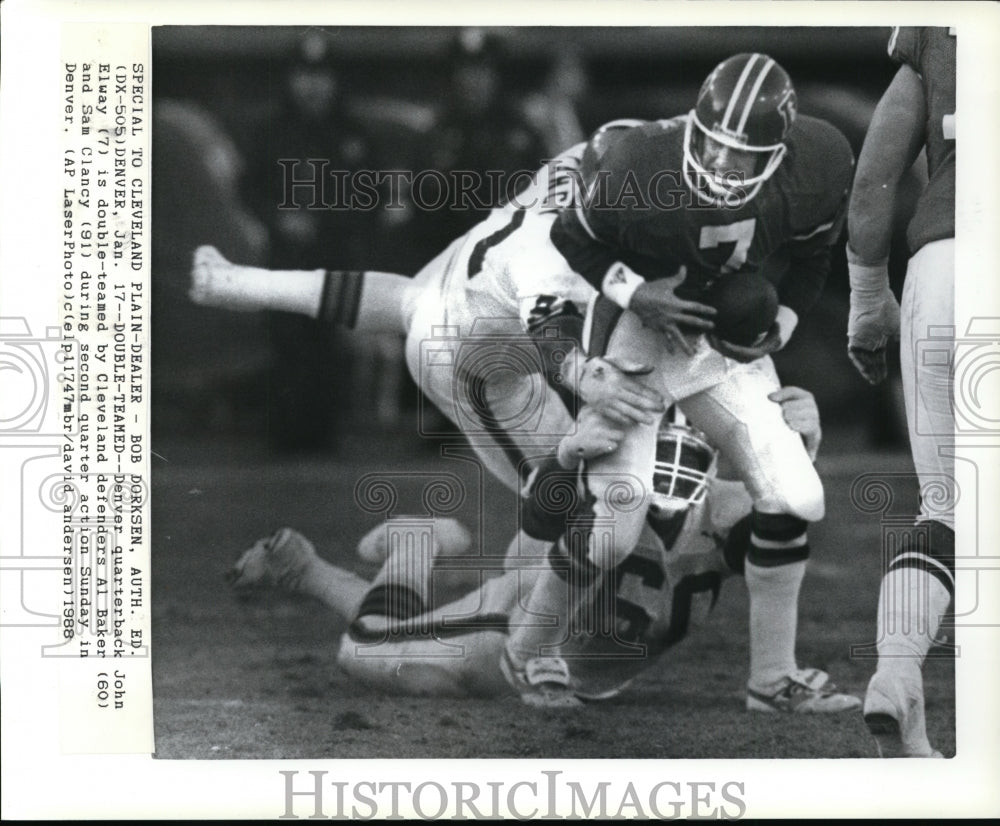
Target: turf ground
(236, 680)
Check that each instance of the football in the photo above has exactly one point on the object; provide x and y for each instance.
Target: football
(746, 306)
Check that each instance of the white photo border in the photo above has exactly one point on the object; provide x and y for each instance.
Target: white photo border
(39, 782)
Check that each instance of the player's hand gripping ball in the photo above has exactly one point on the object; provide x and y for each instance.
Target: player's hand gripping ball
(746, 307)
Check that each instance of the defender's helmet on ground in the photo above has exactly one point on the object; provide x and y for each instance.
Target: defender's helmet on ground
(747, 103)
(685, 466)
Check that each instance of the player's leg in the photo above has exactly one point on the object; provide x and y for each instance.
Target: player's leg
(615, 499)
(603, 534)
(410, 661)
(620, 483)
(396, 643)
(407, 547)
(417, 665)
(549, 585)
(287, 561)
(919, 584)
(363, 300)
(507, 412)
(770, 458)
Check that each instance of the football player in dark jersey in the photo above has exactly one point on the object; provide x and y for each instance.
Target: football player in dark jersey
(740, 184)
(917, 112)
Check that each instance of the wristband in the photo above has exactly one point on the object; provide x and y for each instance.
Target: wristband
(620, 283)
(866, 277)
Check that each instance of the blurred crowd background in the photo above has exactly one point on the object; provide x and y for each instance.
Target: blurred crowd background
(230, 102)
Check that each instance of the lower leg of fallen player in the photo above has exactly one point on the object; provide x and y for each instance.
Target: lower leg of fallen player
(364, 300)
(549, 601)
(338, 589)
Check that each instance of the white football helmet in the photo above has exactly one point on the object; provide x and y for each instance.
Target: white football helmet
(685, 466)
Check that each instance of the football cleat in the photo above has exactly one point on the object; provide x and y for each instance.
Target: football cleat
(805, 691)
(277, 561)
(894, 714)
(217, 282)
(543, 682)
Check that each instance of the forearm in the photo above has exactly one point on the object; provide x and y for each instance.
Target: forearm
(552, 498)
(869, 224)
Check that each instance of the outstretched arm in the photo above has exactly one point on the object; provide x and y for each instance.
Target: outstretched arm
(894, 140)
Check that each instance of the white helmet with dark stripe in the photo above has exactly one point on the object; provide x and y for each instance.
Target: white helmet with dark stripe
(747, 103)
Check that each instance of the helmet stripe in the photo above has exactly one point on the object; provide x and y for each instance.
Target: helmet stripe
(738, 90)
(753, 94)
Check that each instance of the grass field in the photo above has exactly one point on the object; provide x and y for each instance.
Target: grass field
(236, 680)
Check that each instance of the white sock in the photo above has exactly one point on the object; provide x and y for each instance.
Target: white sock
(910, 606)
(219, 283)
(541, 620)
(774, 611)
(340, 590)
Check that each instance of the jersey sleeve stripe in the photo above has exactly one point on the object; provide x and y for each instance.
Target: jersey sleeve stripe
(581, 215)
(811, 233)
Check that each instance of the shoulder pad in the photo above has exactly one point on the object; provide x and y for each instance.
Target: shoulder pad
(604, 138)
(905, 46)
(622, 143)
(820, 170)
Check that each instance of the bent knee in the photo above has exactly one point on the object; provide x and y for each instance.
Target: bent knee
(802, 497)
(399, 672)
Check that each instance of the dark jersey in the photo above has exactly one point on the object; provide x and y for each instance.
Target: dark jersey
(930, 52)
(640, 211)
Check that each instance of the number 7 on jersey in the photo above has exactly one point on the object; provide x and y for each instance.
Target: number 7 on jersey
(739, 233)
